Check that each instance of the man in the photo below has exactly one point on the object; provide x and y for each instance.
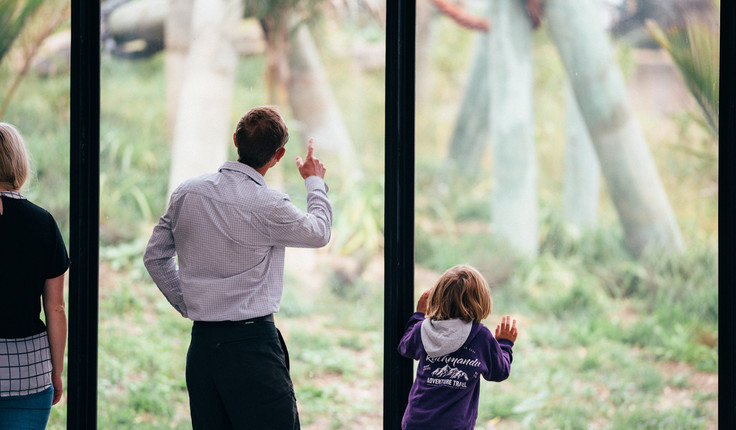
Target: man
(229, 231)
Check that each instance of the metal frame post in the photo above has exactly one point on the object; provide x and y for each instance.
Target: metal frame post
(399, 205)
(84, 215)
(727, 232)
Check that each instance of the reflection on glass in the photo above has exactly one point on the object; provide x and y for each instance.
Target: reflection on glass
(570, 154)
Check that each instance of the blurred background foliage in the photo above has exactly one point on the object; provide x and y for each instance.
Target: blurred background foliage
(695, 49)
(608, 340)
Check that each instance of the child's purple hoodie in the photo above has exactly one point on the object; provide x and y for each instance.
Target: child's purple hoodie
(452, 355)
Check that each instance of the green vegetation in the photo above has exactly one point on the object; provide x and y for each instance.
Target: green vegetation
(695, 49)
(13, 16)
(606, 341)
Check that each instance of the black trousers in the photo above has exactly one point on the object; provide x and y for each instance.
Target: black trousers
(238, 377)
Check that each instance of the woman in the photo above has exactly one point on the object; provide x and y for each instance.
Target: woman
(33, 263)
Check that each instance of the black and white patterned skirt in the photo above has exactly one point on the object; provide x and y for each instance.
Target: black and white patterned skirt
(25, 365)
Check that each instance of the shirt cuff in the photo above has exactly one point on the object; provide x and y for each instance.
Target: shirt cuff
(315, 182)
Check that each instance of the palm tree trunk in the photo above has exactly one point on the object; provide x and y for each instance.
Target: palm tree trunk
(626, 163)
(177, 35)
(425, 38)
(314, 107)
(582, 174)
(514, 176)
(203, 130)
(471, 131)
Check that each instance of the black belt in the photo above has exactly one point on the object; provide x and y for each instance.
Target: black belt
(265, 318)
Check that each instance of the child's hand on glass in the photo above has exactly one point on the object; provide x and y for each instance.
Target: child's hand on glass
(422, 303)
(507, 329)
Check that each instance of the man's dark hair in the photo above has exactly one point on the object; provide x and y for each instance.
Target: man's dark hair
(259, 134)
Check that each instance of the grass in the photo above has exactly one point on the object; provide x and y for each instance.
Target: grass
(607, 341)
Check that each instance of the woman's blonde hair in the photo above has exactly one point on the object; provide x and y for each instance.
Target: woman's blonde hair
(461, 292)
(14, 164)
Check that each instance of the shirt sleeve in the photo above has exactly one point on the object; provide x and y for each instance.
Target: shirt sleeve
(59, 257)
(160, 261)
(410, 345)
(289, 226)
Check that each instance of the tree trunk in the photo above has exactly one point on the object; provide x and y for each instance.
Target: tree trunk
(203, 131)
(425, 37)
(177, 35)
(314, 107)
(625, 160)
(471, 132)
(515, 207)
(582, 174)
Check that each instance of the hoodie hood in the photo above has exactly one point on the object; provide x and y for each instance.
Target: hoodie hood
(444, 337)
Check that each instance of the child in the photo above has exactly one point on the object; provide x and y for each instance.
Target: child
(454, 349)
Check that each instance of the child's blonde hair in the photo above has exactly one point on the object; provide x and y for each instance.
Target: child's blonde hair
(461, 292)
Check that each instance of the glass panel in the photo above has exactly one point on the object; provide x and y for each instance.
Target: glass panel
(34, 98)
(34, 72)
(574, 163)
(169, 111)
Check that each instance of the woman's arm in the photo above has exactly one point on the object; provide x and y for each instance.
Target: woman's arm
(53, 308)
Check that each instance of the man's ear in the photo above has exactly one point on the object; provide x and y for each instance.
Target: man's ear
(280, 153)
(235, 142)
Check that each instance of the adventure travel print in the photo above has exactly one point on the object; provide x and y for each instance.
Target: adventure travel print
(450, 375)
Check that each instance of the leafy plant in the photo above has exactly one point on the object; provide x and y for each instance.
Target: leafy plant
(13, 16)
(29, 18)
(695, 50)
(359, 226)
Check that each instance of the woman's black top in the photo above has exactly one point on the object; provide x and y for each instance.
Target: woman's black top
(31, 251)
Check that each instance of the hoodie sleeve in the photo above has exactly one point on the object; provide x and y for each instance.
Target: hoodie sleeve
(500, 356)
(410, 345)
